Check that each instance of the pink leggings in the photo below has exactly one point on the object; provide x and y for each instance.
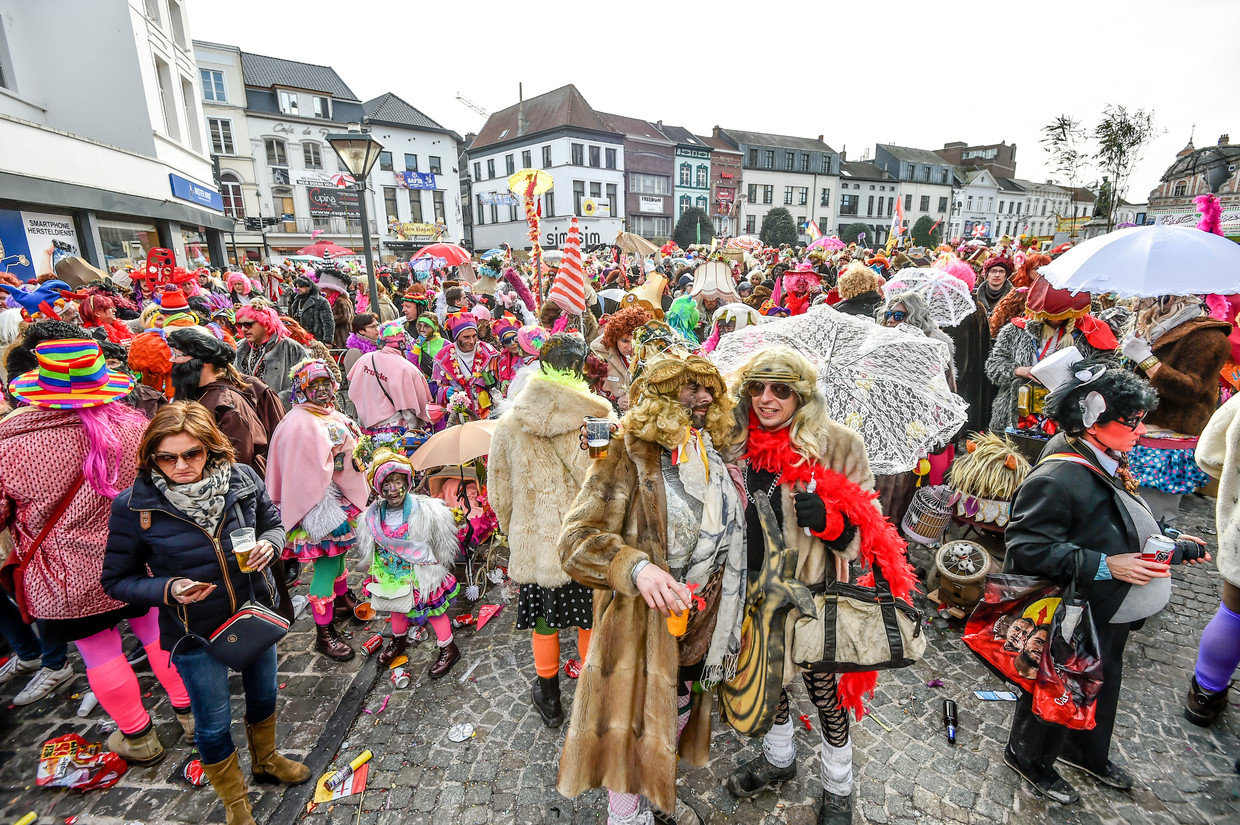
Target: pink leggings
(113, 680)
(625, 808)
(441, 624)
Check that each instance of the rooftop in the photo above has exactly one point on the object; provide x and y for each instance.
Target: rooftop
(679, 134)
(782, 141)
(911, 155)
(635, 128)
(559, 108)
(388, 108)
(718, 144)
(863, 169)
(266, 72)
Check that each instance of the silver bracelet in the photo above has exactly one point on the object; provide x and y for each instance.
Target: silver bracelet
(637, 568)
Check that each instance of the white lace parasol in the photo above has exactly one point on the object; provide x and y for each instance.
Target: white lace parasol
(949, 297)
(889, 385)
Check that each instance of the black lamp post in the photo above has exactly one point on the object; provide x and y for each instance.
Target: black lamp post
(358, 151)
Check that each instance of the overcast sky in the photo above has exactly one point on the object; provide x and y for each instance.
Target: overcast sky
(912, 73)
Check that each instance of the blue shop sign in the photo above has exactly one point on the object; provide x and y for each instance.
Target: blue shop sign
(187, 190)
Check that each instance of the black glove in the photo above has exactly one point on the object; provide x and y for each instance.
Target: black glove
(811, 511)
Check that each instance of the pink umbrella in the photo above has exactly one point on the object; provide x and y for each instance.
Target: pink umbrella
(317, 249)
(827, 243)
(746, 242)
(343, 179)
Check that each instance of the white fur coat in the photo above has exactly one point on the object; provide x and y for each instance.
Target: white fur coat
(1218, 454)
(430, 521)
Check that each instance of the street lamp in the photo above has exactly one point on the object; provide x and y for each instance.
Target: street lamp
(358, 151)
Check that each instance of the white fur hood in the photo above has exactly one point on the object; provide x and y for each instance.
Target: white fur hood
(547, 409)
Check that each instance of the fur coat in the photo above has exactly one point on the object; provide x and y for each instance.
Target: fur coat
(623, 730)
(342, 314)
(1192, 355)
(1218, 454)
(616, 384)
(536, 469)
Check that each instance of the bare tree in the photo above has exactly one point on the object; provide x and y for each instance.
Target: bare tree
(1064, 139)
(1120, 138)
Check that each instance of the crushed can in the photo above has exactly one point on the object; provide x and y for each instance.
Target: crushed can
(194, 773)
(400, 679)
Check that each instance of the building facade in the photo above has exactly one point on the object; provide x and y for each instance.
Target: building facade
(998, 158)
(975, 214)
(926, 182)
(1171, 201)
(1047, 204)
(109, 163)
(726, 189)
(692, 170)
(1012, 213)
(867, 195)
(560, 133)
(649, 206)
(798, 174)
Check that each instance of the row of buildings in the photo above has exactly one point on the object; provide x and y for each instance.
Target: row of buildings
(143, 137)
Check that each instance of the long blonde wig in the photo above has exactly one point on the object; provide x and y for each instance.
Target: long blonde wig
(787, 366)
(657, 414)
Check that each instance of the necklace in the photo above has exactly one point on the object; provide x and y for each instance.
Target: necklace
(745, 482)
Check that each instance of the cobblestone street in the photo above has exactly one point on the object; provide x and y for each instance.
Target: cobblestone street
(506, 773)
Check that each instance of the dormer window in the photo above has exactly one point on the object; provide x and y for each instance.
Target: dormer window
(288, 103)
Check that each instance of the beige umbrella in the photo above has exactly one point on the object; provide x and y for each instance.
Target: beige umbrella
(628, 242)
(455, 445)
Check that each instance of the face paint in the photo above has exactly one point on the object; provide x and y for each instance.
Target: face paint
(394, 488)
(320, 392)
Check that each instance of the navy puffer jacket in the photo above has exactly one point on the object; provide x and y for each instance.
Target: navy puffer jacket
(173, 546)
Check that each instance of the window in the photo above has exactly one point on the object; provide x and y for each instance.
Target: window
(526, 160)
(491, 168)
(805, 161)
(596, 191)
(276, 155)
(803, 196)
(943, 177)
(753, 193)
(512, 212)
(415, 205)
(700, 181)
(579, 194)
(787, 196)
(686, 173)
(221, 136)
(1000, 207)
(768, 194)
(436, 165)
(385, 161)
(481, 211)
(437, 198)
(549, 204)
(594, 157)
(152, 12)
(685, 203)
(1043, 207)
(322, 107)
(790, 159)
(700, 203)
(288, 103)
(189, 104)
(908, 203)
(177, 21)
(769, 159)
(848, 204)
(650, 184)
(825, 198)
(166, 102)
(753, 158)
(891, 205)
(411, 162)
(579, 154)
(510, 164)
(970, 202)
(389, 204)
(925, 174)
(1181, 189)
(610, 161)
(213, 85)
(611, 199)
(546, 153)
(925, 203)
(650, 226)
(312, 155)
(230, 188)
(751, 224)
(869, 207)
(477, 170)
(910, 172)
(990, 205)
(494, 213)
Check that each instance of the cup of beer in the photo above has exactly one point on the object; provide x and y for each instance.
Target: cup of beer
(243, 543)
(598, 436)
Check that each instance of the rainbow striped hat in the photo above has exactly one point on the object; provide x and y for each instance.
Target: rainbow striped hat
(72, 375)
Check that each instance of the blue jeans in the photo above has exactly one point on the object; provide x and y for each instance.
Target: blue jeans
(206, 682)
(26, 644)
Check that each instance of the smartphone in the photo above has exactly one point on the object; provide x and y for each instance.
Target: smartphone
(197, 588)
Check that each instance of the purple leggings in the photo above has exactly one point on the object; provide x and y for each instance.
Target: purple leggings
(1219, 652)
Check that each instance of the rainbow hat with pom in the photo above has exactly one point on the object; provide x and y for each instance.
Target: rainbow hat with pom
(72, 375)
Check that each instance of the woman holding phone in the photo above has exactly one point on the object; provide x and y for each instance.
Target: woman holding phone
(207, 530)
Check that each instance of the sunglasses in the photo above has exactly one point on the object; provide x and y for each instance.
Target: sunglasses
(244, 324)
(895, 315)
(779, 390)
(171, 460)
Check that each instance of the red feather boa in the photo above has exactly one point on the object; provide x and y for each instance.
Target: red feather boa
(880, 542)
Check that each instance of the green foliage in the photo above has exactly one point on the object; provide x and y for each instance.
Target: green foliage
(923, 236)
(852, 232)
(778, 227)
(1064, 139)
(1120, 138)
(687, 228)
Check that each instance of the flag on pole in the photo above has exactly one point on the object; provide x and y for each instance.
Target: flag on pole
(897, 219)
(813, 231)
(569, 290)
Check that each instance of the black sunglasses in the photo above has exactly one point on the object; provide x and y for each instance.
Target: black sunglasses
(170, 460)
(779, 390)
(895, 315)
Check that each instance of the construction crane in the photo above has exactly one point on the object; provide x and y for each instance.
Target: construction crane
(469, 103)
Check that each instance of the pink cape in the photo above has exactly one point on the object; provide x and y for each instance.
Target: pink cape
(300, 463)
(403, 381)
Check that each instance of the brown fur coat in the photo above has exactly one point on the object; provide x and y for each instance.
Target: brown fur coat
(623, 730)
(1192, 355)
(536, 469)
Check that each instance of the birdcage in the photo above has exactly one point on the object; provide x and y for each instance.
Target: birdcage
(928, 515)
(962, 567)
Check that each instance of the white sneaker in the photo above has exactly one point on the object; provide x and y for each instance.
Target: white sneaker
(43, 683)
(16, 667)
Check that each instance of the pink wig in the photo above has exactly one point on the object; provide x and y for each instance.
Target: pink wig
(237, 282)
(266, 318)
(961, 271)
(105, 453)
(1211, 213)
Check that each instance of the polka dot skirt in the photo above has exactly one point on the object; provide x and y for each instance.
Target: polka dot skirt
(571, 605)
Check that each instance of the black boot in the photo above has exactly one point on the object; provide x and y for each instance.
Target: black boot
(835, 810)
(546, 695)
(343, 607)
(749, 779)
(1201, 706)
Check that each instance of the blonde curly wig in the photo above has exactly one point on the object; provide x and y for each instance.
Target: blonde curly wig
(657, 414)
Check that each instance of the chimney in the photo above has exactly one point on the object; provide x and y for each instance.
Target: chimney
(844, 154)
(1224, 139)
(522, 123)
(715, 132)
(820, 140)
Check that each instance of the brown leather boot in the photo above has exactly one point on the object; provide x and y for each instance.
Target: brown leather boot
(229, 785)
(395, 647)
(448, 656)
(266, 763)
(344, 606)
(331, 644)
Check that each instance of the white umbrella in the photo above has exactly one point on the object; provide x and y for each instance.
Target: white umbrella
(1149, 261)
(947, 296)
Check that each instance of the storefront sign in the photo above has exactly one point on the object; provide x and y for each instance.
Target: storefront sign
(692, 153)
(187, 190)
(308, 177)
(332, 202)
(1229, 220)
(971, 229)
(406, 231)
(415, 180)
(32, 243)
(592, 208)
(649, 204)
